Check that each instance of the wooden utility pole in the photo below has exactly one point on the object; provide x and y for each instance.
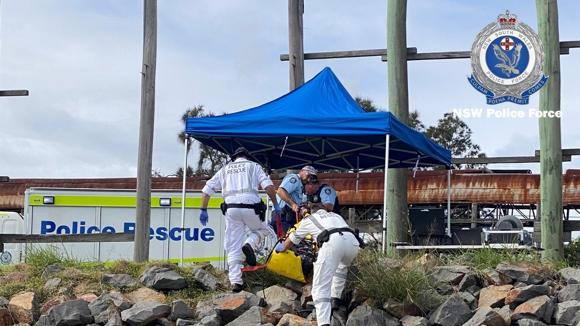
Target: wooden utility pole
(143, 217)
(397, 211)
(550, 138)
(296, 43)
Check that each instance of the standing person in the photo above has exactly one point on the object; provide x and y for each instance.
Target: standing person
(239, 181)
(338, 246)
(321, 193)
(290, 196)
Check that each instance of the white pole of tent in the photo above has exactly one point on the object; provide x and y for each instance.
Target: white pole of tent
(449, 203)
(183, 197)
(387, 143)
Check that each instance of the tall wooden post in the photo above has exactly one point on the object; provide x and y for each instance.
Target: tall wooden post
(550, 139)
(296, 43)
(143, 215)
(397, 209)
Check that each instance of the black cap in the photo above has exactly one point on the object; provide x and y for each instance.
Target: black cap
(240, 151)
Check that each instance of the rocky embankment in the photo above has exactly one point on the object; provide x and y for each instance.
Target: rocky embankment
(506, 295)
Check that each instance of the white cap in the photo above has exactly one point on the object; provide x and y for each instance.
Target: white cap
(310, 170)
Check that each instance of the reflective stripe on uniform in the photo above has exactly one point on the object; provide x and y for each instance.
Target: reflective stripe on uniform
(341, 275)
(316, 222)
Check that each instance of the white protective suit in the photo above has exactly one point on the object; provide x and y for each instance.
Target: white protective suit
(239, 182)
(334, 258)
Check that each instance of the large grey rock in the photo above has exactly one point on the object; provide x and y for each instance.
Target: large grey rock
(492, 277)
(454, 311)
(486, 316)
(189, 322)
(414, 321)
(523, 294)
(164, 322)
(570, 275)
(228, 306)
(51, 270)
(162, 278)
(145, 312)
(514, 273)
(114, 318)
(119, 280)
(102, 303)
(106, 315)
(469, 299)
(44, 320)
(180, 310)
(448, 274)
(212, 320)
(565, 312)
(540, 308)
(52, 284)
(399, 310)
(280, 299)
(529, 322)
(470, 283)
(68, 313)
(3, 302)
(365, 315)
(254, 316)
(569, 292)
(206, 279)
(506, 313)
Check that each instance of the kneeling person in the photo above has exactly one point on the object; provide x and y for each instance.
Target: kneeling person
(338, 246)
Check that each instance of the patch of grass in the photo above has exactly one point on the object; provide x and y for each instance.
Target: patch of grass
(38, 258)
(125, 267)
(484, 258)
(381, 278)
(572, 253)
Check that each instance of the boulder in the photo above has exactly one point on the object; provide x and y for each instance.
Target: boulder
(570, 275)
(52, 284)
(520, 295)
(486, 316)
(513, 273)
(114, 319)
(104, 301)
(180, 310)
(145, 312)
(506, 313)
(293, 320)
(44, 320)
(24, 307)
(365, 315)
(111, 313)
(448, 274)
(190, 322)
(470, 283)
(254, 316)
(145, 294)
(569, 292)
(88, 297)
(51, 270)
(399, 310)
(493, 295)
(5, 317)
(51, 303)
(212, 320)
(296, 286)
(540, 308)
(227, 306)
(529, 322)
(454, 311)
(414, 321)
(306, 295)
(4, 302)
(207, 280)
(280, 299)
(13, 277)
(69, 313)
(565, 312)
(164, 322)
(492, 277)
(119, 280)
(162, 278)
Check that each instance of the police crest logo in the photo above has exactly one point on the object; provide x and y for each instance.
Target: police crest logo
(507, 59)
(327, 191)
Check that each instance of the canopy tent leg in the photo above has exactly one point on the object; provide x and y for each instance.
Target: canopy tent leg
(357, 171)
(184, 173)
(449, 203)
(387, 143)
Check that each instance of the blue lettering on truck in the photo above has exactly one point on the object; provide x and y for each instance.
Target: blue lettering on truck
(161, 233)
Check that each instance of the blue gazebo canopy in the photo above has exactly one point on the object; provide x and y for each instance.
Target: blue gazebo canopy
(318, 124)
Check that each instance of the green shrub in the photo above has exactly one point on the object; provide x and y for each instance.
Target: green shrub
(572, 253)
(381, 278)
(40, 257)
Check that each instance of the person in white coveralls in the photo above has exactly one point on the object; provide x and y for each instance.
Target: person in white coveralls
(239, 182)
(338, 246)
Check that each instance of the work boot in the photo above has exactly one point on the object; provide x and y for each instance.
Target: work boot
(237, 287)
(249, 253)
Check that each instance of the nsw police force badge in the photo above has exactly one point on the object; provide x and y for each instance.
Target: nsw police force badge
(507, 59)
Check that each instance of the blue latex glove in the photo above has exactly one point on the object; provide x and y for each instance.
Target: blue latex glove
(203, 217)
(277, 208)
(279, 247)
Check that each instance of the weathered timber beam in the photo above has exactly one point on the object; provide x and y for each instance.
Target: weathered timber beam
(500, 160)
(41, 238)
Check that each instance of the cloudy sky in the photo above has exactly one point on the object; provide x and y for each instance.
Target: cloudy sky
(81, 61)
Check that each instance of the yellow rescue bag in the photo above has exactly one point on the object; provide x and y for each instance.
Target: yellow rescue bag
(287, 264)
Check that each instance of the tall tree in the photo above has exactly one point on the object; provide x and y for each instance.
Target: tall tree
(210, 160)
(368, 105)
